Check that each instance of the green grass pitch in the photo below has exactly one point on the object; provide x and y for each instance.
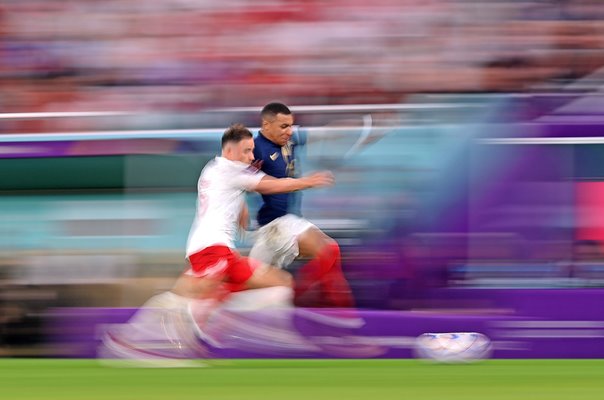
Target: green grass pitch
(49, 379)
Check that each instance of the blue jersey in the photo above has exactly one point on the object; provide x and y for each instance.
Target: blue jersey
(279, 162)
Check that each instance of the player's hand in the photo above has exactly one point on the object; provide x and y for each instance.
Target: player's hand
(320, 179)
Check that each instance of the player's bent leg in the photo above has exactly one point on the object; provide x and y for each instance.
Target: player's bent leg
(262, 250)
(266, 290)
(276, 243)
(253, 286)
(259, 299)
(312, 241)
(308, 289)
(159, 334)
(264, 276)
(196, 288)
(324, 268)
(260, 321)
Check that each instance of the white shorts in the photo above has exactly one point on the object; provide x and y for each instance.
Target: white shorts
(277, 242)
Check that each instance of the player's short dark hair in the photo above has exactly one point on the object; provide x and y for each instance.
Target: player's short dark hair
(272, 109)
(235, 134)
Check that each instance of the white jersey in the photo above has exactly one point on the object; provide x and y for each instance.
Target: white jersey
(220, 197)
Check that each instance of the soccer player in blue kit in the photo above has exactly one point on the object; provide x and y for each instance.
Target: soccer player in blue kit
(284, 234)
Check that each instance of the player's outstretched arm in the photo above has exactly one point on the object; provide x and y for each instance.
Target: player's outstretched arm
(271, 185)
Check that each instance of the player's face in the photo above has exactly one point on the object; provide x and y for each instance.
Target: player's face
(244, 151)
(279, 129)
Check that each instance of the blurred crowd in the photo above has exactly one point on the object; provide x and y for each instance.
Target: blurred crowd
(182, 56)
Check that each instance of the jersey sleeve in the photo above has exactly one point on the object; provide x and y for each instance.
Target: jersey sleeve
(248, 178)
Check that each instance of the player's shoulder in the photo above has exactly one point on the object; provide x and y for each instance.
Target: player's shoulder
(222, 165)
(261, 145)
(228, 173)
(210, 166)
(260, 140)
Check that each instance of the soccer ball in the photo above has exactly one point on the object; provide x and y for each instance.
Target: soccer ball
(453, 347)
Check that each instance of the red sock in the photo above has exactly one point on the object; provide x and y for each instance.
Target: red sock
(326, 271)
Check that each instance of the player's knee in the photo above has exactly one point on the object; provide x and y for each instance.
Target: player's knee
(279, 277)
(287, 281)
(281, 296)
(332, 248)
(314, 242)
(192, 287)
(257, 299)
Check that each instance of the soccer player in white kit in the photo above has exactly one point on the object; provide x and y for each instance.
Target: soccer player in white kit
(221, 201)
(215, 267)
